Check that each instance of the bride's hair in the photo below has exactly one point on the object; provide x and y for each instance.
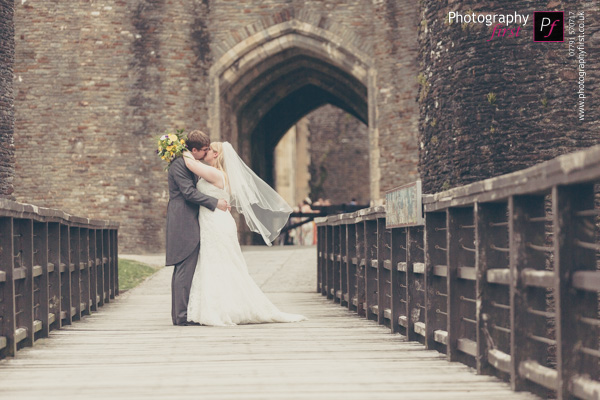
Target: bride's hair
(219, 161)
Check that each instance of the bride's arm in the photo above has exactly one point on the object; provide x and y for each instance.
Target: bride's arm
(208, 173)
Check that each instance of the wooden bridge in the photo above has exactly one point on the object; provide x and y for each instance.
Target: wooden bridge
(129, 349)
(501, 275)
(495, 295)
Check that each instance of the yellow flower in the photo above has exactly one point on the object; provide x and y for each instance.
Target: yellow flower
(182, 141)
(169, 148)
(173, 137)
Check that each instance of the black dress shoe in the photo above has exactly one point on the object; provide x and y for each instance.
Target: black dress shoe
(189, 323)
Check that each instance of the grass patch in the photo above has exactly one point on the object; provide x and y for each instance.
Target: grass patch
(132, 273)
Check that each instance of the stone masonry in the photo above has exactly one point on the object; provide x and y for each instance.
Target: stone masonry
(490, 107)
(7, 43)
(97, 81)
(339, 169)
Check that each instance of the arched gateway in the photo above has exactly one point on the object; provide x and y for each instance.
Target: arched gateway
(271, 79)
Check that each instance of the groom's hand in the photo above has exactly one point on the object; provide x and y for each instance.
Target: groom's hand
(222, 205)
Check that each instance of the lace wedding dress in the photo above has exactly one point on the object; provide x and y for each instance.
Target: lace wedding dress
(222, 292)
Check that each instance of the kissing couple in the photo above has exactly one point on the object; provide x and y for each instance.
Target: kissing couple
(211, 284)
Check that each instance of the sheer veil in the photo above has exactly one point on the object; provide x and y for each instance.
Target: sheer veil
(264, 210)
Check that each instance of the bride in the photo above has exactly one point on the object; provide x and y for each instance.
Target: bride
(222, 292)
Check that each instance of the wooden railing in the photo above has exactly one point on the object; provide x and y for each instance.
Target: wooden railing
(54, 269)
(502, 276)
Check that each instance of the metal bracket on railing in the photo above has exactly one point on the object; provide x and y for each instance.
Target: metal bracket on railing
(502, 249)
(488, 338)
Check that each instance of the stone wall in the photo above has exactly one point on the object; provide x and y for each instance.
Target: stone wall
(96, 82)
(490, 107)
(395, 58)
(339, 168)
(7, 43)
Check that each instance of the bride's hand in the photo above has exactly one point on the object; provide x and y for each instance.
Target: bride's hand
(222, 205)
(189, 159)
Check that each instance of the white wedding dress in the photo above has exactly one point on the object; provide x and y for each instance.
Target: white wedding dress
(222, 292)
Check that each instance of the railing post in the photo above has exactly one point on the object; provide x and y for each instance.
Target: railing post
(377, 263)
(67, 310)
(461, 286)
(436, 286)
(106, 263)
(352, 260)
(336, 262)
(8, 345)
(40, 261)
(493, 317)
(54, 292)
(415, 272)
(110, 286)
(371, 269)
(24, 285)
(91, 261)
(329, 261)
(360, 266)
(385, 268)
(326, 243)
(115, 263)
(96, 281)
(99, 268)
(398, 276)
(344, 262)
(523, 231)
(324, 256)
(75, 273)
(85, 271)
(572, 305)
(320, 242)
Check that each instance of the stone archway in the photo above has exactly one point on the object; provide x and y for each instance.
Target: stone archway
(268, 81)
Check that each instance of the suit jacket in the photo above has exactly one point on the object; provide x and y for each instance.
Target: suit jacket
(183, 230)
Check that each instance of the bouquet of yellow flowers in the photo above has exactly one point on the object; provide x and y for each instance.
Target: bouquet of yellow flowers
(171, 146)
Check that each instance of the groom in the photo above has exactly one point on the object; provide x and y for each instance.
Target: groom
(183, 231)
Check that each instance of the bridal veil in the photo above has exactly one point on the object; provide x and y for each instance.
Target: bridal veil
(264, 210)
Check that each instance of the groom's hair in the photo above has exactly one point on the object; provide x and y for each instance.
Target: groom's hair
(197, 140)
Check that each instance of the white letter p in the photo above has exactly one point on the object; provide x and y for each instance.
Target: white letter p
(544, 23)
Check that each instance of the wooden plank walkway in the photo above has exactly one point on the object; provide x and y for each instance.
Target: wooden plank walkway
(130, 350)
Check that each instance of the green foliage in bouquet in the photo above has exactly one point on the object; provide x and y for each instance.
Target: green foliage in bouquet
(171, 146)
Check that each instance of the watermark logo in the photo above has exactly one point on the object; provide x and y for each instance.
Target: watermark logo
(503, 31)
(503, 24)
(548, 26)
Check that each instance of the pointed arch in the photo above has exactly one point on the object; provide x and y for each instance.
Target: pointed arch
(284, 62)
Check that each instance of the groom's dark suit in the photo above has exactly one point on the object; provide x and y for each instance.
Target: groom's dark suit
(183, 234)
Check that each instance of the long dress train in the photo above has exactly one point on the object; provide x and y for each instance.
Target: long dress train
(223, 292)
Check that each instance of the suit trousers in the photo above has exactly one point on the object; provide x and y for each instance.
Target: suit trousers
(181, 283)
